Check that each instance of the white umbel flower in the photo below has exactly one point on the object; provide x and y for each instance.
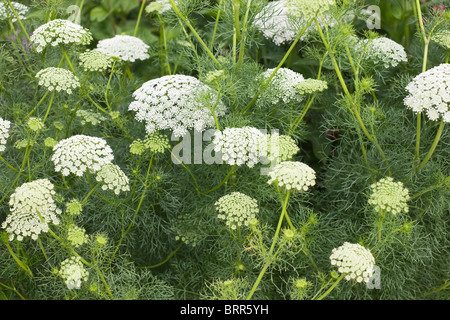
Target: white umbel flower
(237, 209)
(293, 175)
(58, 32)
(311, 8)
(277, 148)
(389, 196)
(113, 178)
(32, 208)
(442, 38)
(58, 79)
(238, 146)
(383, 51)
(282, 87)
(354, 261)
(7, 13)
(80, 153)
(124, 47)
(160, 6)
(4, 133)
(73, 272)
(95, 60)
(429, 92)
(177, 103)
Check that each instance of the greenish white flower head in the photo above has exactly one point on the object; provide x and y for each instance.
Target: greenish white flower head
(282, 87)
(113, 178)
(238, 146)
(35, 124)
(310, 86)
(429, 92)
(89, 117)
(7, 13)
(124, 47)
(293, 175)
(32, 208)
(175, 102)
(77, 236)
(311, 8)
(277, 148)
(155, 142)
(389, 196)
(382, 50)
(5, 125)
(160, 6)
(80, 153)
(73, 272)
(442, 37)
(354, 261)
(74, 207)
(96, 60)
(58, 79)
(237, 209)
(60, 32)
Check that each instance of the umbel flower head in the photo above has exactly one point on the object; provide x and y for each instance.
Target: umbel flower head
(58, 79)
(311, 8)
(7, 13)
(389, 196)
(113, 178)
(80, 153)
(175, 102)
(160, 6)
(96, 60)
(442, 38)
(32, 209)
(277, 147)
(282, 87)
(73, 272)
(155, 142)
(382, 50)
(354, 261)
(4, 133)
(429, 92)
(58, 32)
(237, 209)
(238, 146)
(77, 236)
(293, 175)
(124, 47)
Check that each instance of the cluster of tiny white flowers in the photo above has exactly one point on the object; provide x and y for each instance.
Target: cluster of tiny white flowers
(4, 133)
(60, 31)
(237, 209)
(442, 37)
(88, 117)
(7, 13)
(390, 196)
(58, 79)
(430, 92)
(175, 102)
(124, 47)
(238, 146)
(77, 236)
(310, 86)
(282, 87)
(73, 272)
(293, 175)
(113, 178)
(155, 142)
(95, 60)
(32, 208)
(354, 261)
(311, 8)
(160, 6)
(382, 50)
(278, 147)
(80, 153)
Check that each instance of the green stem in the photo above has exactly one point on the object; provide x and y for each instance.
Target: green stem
(165, 260)
(21, 24)
(326, 293)
(139, 17)
(215, 26)
(233, 168)
(18, 261)
(432, 148)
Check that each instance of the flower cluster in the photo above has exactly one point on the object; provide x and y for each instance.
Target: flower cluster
(74, 207)
(155, 142)
(4, 133)
(80, 153)
(124, 47)
(310, 86)
(77, 236)
(430, 92)
(311, 8)
(32, 209)
(88, 117)
(176, 102)
(237, 209)
(293, 175)
(382, 50)
(7, 13)
(389, 196)
(442, 37)
(73, 272)
(282, 87)
(278, 147)
(58, 32)
(58, 79)
(161, 6)
(96, 60)
(35, 124)
(113, 178)
(354, 261)
(238, 146)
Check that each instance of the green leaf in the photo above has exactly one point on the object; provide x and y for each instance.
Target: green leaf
(98, 14)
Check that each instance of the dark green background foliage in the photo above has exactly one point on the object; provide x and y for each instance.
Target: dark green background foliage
(176, 247)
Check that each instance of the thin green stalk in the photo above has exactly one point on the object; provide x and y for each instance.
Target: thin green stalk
(13, 289)
(332, 287)
(215, 26)
(139, 18)
(108, 84)
(244, 34)
(165, 260)
(233, 168)
(21, 24)
(18, 261)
